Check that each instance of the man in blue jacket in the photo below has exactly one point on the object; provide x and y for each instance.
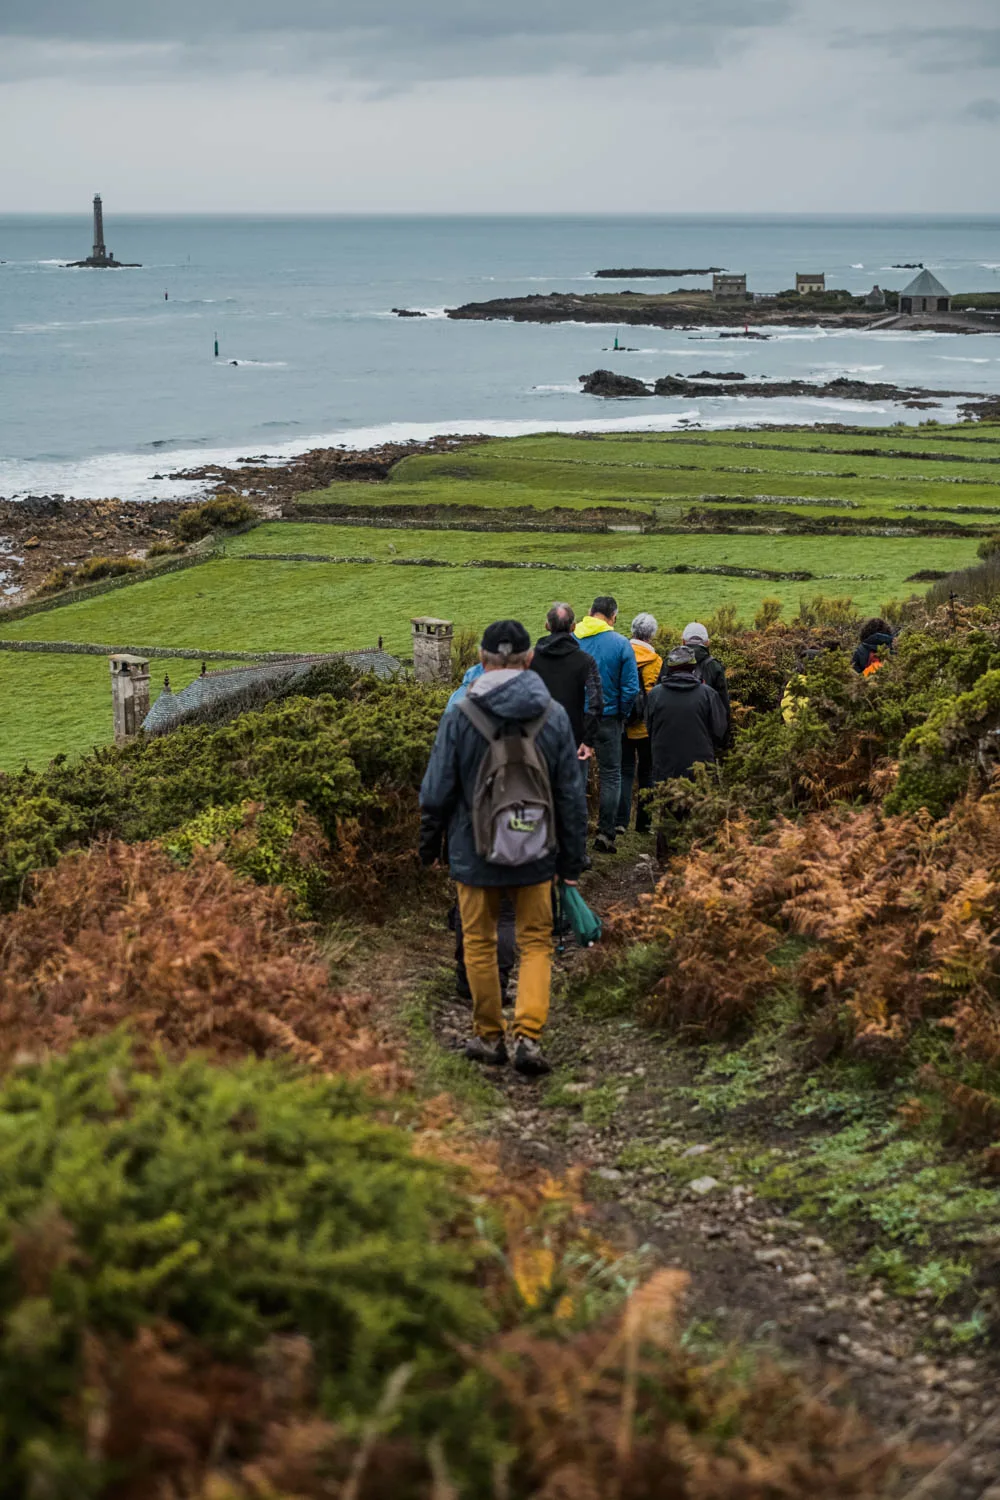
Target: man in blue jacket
(511, 697)
(620, 681)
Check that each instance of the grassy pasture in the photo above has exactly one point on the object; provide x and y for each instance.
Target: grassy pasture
(662, 474)
(234, 605)
(56, 704)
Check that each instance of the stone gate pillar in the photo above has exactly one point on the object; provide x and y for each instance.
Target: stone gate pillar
(431, 649)
(129, 695)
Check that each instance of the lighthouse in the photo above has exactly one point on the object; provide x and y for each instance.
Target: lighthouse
(101, 258)
(100, 254)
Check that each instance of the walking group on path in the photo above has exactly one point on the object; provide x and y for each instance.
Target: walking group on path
(504, 797)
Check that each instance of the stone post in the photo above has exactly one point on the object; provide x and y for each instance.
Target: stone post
(129, 695)
(431, 649)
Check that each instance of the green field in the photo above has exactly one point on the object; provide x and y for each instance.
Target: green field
(663, 474)
(61, 704)
(237, 603)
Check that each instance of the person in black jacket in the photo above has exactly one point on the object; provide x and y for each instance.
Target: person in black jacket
(686, 721)
(572, 677)
(708, 667)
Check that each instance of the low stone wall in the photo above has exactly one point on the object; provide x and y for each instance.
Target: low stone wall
(724, 570)
(104, 586)
(179, 653)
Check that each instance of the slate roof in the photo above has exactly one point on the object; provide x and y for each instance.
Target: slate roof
(925, 285)
(171, 709)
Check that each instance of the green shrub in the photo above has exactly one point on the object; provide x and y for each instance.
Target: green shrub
(271, 844)
(60, 578)
(354, 763)
(164, 549)
(235, 1204)
(96, 568)
(958, 740)
(989, 547)
(221, 513)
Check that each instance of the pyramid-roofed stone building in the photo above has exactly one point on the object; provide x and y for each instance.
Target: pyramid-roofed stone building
(925, 294)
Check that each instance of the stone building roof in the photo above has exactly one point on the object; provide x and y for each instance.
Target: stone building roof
(217, 688)
(925, 284)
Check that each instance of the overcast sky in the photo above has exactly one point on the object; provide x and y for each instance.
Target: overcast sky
(501, 105)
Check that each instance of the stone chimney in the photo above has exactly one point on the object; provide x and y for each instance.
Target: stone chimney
(129, 695)
(431, 649)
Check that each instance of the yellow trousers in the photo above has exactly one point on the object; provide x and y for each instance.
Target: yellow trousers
(480, 908)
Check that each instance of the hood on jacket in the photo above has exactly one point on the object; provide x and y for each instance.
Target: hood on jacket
(878, 641)
(644, 652)
(701, 652)
(680, 682)
(562, 644)
(511, 693)
(590, 625)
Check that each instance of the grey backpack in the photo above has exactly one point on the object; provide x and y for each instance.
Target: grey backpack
(513, 815)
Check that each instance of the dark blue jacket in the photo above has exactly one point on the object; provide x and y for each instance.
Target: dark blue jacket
(450, 779)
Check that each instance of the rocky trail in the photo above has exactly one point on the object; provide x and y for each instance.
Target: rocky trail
(622, 1105)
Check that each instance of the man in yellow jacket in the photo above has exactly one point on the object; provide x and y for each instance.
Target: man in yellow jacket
(637, 764)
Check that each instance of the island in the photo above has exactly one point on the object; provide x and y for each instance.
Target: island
(609, 384)
(697, 308)
(615, 273)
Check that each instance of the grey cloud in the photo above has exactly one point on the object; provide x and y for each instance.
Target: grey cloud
(931, 49)
(381, 41)
(985, 111)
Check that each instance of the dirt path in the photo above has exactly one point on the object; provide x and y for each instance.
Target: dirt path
(621, 1104)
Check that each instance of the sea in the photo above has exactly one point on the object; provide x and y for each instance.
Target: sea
(109, 380)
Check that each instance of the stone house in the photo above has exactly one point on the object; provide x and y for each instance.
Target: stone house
(875, 299)
(925, 294)
(727, 288)
(806, 283)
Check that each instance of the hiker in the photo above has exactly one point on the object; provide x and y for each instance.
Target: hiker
(637, 764)
(503, 783)
(795, 697)
(686, 721)
(709, 668)
(620, 682)
(876, 644)
(506, 936)
(572, 677)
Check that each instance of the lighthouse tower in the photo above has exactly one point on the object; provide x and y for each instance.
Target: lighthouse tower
(100, 255)
(100, 259)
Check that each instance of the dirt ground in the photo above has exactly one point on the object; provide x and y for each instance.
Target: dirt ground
(759, 1277)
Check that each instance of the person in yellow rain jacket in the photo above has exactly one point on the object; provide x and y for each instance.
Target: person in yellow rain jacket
(637, 763)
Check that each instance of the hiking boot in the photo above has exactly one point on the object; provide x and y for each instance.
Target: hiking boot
(620, 831)
(491, 1054)
(604, 845)
(529, 1058)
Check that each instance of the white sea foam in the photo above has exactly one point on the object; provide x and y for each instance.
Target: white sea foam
(130, 475)
(857, 265)
(258, 364)
(962, 359)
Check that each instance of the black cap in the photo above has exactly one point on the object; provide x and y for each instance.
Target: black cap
(680, 658)
(506, 638)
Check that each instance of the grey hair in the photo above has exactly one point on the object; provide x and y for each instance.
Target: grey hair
(496, 659)
(644, 627)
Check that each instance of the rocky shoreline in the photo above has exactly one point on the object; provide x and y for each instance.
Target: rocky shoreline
(613, 386)
(42, 532)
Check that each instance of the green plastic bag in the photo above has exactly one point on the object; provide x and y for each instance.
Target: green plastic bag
(586, 924)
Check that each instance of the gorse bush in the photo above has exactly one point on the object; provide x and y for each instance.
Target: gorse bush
(353, 764)
(220, 1207)
(272, 845)
(96, 568)
(223, 512)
